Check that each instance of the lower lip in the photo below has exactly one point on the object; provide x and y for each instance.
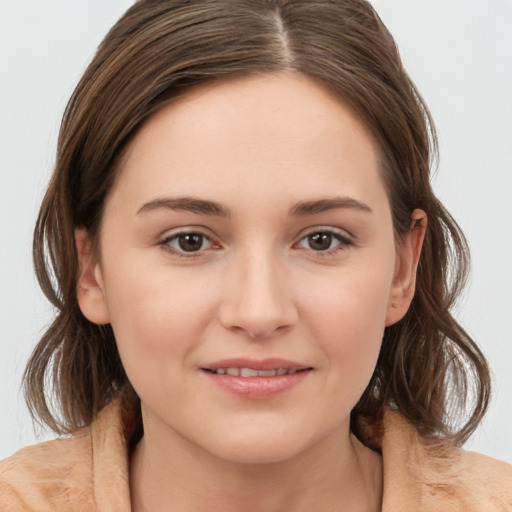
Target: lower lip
(257, 388)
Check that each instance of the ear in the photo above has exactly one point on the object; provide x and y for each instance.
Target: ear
(404, 279)
(90, 289)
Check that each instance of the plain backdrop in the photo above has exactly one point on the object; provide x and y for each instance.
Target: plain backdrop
(459, 52)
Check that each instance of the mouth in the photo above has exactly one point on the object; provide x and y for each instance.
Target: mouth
(252, 372)
(256, 379)
(250, 368)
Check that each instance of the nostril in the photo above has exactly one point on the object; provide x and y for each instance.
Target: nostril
(257, 302)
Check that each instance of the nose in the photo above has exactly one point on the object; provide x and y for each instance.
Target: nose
(258, 299)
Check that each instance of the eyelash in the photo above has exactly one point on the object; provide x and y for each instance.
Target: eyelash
(166, 244)
(344, 242)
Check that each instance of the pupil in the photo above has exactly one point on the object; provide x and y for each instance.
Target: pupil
(320, 241)
(190, 242)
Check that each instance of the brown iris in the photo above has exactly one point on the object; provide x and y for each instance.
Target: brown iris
(190, 242)
(320, 241)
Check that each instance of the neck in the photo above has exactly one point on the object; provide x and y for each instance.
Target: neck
(337, 472)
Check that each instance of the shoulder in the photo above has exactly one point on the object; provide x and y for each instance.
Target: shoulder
(471, 481)
(55, 475)
(485, 478)
(85, 472)
(439, 476)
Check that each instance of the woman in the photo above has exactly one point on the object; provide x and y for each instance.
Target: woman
(251, 273)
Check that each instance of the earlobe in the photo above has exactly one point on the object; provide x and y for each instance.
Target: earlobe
(404, 279)
(90, 289)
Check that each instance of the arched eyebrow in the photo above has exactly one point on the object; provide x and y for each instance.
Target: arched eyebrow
(207, 207)
(305, 208)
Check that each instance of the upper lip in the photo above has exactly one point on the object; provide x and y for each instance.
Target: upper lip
(255, 364)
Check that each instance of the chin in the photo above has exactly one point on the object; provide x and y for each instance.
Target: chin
(260, 444)
(258, 452)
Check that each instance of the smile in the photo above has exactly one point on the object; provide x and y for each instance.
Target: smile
(256, 380)
(251, 372)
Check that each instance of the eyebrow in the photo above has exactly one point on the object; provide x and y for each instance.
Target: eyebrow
(207, 207)
(323, 205)
(189, 204)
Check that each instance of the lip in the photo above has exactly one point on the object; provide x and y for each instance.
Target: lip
(256, 388)
(263, 364)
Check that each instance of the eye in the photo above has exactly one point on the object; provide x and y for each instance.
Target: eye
(191, 242)
(324, 241)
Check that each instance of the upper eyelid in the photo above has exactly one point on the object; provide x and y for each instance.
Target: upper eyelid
(325, 229)
(173, 233)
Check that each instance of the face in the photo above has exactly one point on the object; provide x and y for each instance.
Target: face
(248, 268)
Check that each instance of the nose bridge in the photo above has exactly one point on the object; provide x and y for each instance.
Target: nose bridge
(258, 300)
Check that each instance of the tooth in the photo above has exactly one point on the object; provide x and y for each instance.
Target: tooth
(281, 371)
(267, 373)
(248, 372)
(220, 371)
(291, 372)
(235, 372)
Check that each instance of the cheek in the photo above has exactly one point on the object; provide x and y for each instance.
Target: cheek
(156, 310)
(354, 300)
(346, 318)
(159, 319)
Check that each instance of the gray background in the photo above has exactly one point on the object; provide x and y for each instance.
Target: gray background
(459, 52)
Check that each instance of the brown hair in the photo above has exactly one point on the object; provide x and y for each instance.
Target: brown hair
(429, 368)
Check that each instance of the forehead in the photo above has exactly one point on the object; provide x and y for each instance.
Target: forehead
(279, 132)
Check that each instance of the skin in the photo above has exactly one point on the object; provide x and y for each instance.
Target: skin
(258, 287)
